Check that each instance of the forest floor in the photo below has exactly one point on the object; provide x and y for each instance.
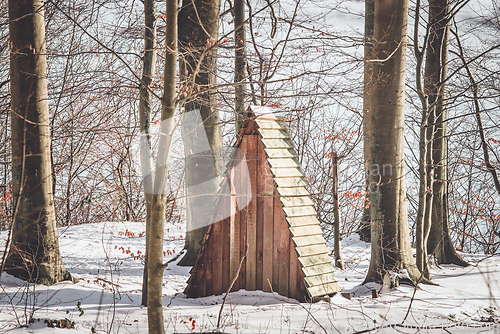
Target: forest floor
(106, 259)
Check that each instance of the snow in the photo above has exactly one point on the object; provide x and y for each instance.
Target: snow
(105, 258)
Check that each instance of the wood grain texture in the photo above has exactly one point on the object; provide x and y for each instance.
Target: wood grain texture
(302, 221)
(276, 242)
(251, 214)
(243, 188)
(308, 240)
(226, 237)
(306, 230)
(272, 215)
(277, 143)
(283, 247)
(266, 209)
(307, 261)
(217, 258)
(299, 211)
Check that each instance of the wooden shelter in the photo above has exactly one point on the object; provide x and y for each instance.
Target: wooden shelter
(264, 222)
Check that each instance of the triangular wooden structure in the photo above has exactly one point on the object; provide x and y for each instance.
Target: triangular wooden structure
(267, 215)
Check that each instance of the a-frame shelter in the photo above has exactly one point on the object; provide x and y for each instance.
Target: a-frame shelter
(264, 233)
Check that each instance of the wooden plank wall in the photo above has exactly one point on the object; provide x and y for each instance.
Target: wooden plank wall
(271, 259)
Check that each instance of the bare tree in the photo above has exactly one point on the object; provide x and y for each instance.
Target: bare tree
(439, 243)
(34, 248)
(364, 227)
(240, 63)
(158, 198)
(426, 139)
(198, 32)
(145, 105)
(390, 238)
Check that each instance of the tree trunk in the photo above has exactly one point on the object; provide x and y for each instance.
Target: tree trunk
(158, 199)
(364, 226)
(339, 262)
(439, 243)
(239, 64)
(202, 139)
(425, 154)
(34, 249)
(145, 100)
(390, 237)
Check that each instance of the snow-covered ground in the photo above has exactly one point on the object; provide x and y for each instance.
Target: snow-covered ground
(106, 260)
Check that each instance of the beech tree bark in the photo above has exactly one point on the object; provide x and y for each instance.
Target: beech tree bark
(364, 227)
(426, 165)
(239, 64)
(390, 239)
(145, 100)
(198, 33)
(34, 249)
(439, 242)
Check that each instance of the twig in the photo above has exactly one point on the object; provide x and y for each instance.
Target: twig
(474, 88)
(388, 57)
(231, 286)
(300, 304)
(427, 327)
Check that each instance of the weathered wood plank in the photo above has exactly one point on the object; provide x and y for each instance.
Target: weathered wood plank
(305, 230)
(196, 284)
(290, 182)
(293, 286)
(235, 232)
(296, 201)
(287, 172)
(209, 269)
(291, 192)
(322, 279)
(250, 127)
(311, 250)
(281, 153)
(319, 269)
(299, 211)
(307, 261)
(268, 124)
(282, 162)
(266, 208)
(277, 143)
(263, 112)
(252, 159)
(303, 295)
(201, 285)
(277, 209)
(274, 133)
(262, 180)
(309, 240)
(303, 220)
(217, 258)
(284, 256)
(226, 237)
(322, 290)
(243, 218)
